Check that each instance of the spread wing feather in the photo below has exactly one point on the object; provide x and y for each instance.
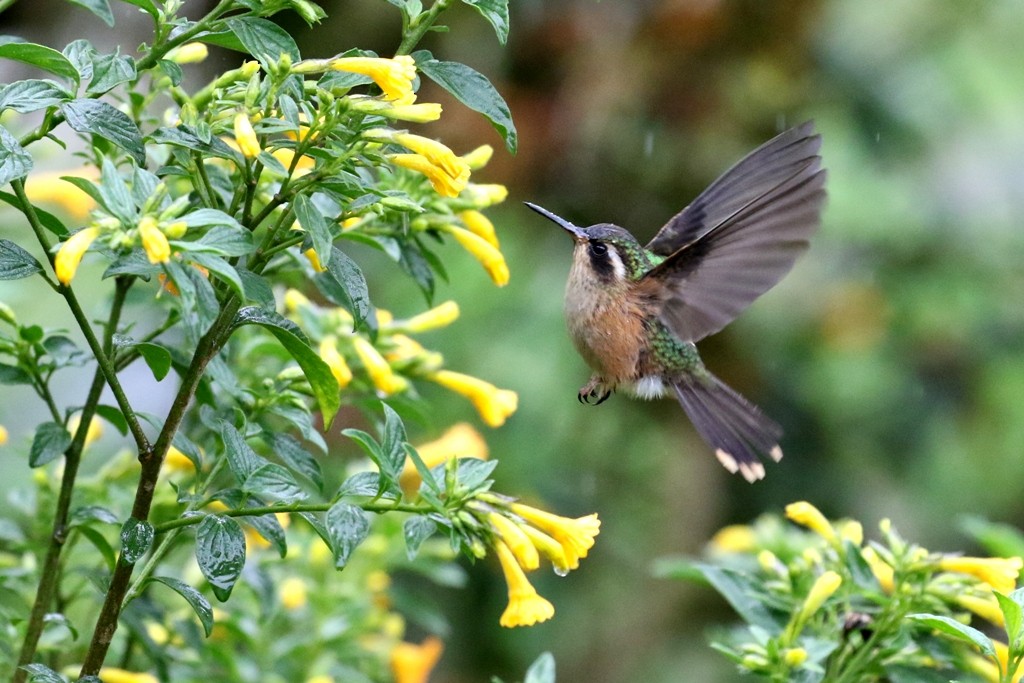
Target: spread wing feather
(741, 235)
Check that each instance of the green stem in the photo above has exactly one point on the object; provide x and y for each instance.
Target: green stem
(50, 573)
(102, 358)
(419, 26)
(181, 522)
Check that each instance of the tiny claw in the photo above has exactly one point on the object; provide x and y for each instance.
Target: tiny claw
(588, 394)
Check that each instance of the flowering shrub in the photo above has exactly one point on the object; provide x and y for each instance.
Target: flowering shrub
(821, 604)
(205, 235)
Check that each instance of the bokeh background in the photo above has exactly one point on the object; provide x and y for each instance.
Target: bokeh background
(893, 354)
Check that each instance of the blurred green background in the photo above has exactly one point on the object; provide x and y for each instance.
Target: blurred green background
(892, 354)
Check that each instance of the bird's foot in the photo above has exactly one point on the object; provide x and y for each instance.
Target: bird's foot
(594, 393)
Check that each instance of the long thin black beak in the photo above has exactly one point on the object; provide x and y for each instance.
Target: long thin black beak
(557, 220)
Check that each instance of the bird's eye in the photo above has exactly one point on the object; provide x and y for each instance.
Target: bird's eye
(598, 249)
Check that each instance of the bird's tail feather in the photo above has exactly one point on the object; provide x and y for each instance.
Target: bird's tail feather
(737, 429)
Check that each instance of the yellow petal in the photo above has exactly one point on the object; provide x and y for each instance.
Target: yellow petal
(411, 663)
(154, 242)
(109, 674)
(70, 254)
(436, 153)
(189, 53)
(479, 157)
(735, 538)
(380, 372)
(998, 572)
(393, 76)
(517, 541)
(479, 225)
(443, 183)
(483, 251)
(245, 136)
(525, 606)
(575, 535)
(314, 260)
(807, 515)
(335, 361)
(439, 316)
(48, 188)
(822, 589)
(494, 405)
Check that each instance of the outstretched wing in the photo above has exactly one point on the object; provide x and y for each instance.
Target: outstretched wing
(741, 235)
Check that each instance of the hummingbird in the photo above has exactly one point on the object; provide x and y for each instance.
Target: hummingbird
(635, 312)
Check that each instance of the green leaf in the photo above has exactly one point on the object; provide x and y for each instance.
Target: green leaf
(99, 541)
(316, 226)
(542, 670)
(393, 444)
(222, 270)
(200, 605)
(49, 221)
(220, 553)
(343, 284)
(80, 53)
(110, 71)
(182, 136)
(954, 628)
(149, 7)
(472, 89)
(50, 442)
(368, 444)
(257, 289)
(269, 528)
(264, 40)
(136, 539)
(12, 374)
(15, 262)
(242, 459)
(496, 12)
(1000, 540)
(156, 357)
(347, 526)
(114, 416)
(743, 594)
(115, 195)
(99, 118)
(426, 476)
(31, 95)
(295, 456)
(92, 513)
(204, 218)
(472, 473)
(221, 240)
(360, 484)
(40, 673)
(275, 482)
(101, 8)
(45, 58)
(15, 162)
(415, 530)
(1013, 616)
(318, 373)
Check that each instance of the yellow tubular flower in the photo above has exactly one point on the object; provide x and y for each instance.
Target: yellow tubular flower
(483, 251)
(436, 153)
(517, 541)
(576, 536)
(880, 568)
(294, 300)
(335, 361)
(442, 183)
(158, 250)
(480, 225)
(383, 378)
(851, 530)
(48, 188)
(314, 260)
(189, 53)
(110, 674)
(494, 405)
(822, 589)
(245, 136)
(985, 607)
(486, 195)
(998, 572)
(286, 156)
(735, 538)
(66, 262)
(4, 436)
(525, 606)
(438, 316)
(411, 663)
(394, 76)
(293, 593)
(807, 515)
(423, 112)
(176, 461)
(479, 157)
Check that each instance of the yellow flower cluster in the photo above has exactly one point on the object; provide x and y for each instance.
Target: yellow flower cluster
(394, 357)
(521, 534)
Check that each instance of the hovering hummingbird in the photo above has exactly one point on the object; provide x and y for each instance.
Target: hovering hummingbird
(634, 312)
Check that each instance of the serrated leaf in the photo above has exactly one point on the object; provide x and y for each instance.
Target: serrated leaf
(542, 670)
(15, 162)
(954, 628)
(274, 482)
(136, 539)
(15, 262)
(49, 442)
(343, 284)
(45, 58)
(295, 456)
(264, 40)
(110, 71)
(101, 8)
(40, 673)
(200, 605)
(318, 373)
(415, 531)
(31, 95)
(472, 89)
(99, 118)
(242, 459)
(347, 525)
(496, 12)
(220, 553)
(316, 226)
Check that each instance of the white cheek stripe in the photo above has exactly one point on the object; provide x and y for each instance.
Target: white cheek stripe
(618, 267)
